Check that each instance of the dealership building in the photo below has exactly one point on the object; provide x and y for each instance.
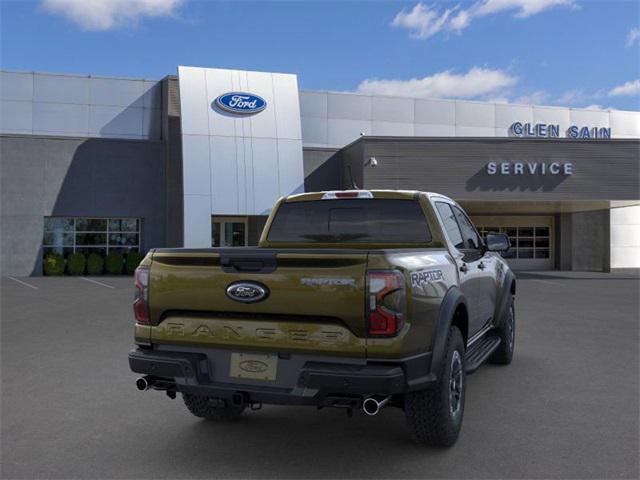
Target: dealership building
(198, 159)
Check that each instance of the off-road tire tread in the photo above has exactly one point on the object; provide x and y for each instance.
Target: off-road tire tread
(199, 406)
(502, 355)
(427, 412)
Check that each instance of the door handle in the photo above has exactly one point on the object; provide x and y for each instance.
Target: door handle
(464, 268)
(482, 266)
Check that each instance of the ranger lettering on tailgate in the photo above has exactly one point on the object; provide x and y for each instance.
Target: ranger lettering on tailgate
(233, 332)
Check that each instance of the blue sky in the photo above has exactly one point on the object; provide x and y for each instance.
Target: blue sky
(558, 52)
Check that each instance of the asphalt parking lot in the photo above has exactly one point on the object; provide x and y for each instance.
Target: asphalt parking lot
(567, 407)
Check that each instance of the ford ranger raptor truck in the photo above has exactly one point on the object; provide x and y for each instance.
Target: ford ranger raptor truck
(353, 299)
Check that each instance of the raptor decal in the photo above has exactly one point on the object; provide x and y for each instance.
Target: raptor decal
(425, 276)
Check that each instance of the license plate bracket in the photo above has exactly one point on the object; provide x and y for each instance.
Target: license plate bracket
(253, 366)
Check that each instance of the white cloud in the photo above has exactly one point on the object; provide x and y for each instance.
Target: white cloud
(498, 99)
(424, 22)
(633, 36)
(421, 21)
(524, 8)
(538, 97)
(571, 97)
(475, 83)
(100, 15)
(629, 88)
(595, 106)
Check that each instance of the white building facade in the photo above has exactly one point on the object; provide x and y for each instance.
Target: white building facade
(60, 132)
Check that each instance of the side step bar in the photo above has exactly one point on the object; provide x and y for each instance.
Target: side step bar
(479, 352)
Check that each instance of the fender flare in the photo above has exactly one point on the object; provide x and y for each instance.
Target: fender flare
(450, 302)
(504, 295)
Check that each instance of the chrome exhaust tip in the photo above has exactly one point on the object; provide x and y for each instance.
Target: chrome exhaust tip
(371, 406)
(143, 383)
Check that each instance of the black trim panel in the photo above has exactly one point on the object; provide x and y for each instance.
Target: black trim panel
(317, 381)
(450, 302)
(505, 296)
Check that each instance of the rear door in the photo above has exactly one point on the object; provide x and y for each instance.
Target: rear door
(314, 299)
(467, 260)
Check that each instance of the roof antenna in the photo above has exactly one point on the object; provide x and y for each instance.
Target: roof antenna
(353, 185)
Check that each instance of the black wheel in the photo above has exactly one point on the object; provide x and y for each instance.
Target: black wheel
(208, 407)
(507, 333)
(434, 416)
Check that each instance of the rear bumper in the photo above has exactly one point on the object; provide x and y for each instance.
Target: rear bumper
(318, 382)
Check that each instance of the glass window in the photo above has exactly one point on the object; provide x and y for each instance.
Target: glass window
(525, 232)
(510, 231)
(525, 253)
(542, 242)
(234, 234)
(123, 225)
(91, 239)
(57, 237)
(88, 250)
(525, 243)
(66, 235)
(117, 239)
(350, 221)
(215, 234)
(91, 225)
(450, 224)
(58, 224)
(471, 238)
(123, 250)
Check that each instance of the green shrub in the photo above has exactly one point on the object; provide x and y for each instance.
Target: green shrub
(54, 264)
(95, 264)
(76, 263)
(132, 261)
(113, 263)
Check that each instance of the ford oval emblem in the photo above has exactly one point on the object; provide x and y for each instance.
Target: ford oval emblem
(253, 366)
(240, 103)
(247, 292)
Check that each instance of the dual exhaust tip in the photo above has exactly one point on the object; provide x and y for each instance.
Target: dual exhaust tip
(145, 383)
(372, 405)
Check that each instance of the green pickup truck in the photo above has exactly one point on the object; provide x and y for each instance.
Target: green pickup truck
(353, 299)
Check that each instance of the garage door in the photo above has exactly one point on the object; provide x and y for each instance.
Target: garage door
(532, 245)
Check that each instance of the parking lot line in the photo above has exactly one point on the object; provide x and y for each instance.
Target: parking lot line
(24, 283)
(549, 282)
(97, 283)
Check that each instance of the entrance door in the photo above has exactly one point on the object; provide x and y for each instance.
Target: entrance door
(229, 231)
(532, 245)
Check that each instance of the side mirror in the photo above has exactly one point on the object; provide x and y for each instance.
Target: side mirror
(497, 242)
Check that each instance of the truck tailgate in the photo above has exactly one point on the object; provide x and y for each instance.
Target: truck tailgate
(315, 301)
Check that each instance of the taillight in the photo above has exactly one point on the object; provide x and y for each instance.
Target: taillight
(141, 296)
(386, 302)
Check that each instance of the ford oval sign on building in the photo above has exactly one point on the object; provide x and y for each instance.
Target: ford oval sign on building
(240, 103)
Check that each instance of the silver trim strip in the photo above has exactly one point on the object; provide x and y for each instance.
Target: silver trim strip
(479, 335)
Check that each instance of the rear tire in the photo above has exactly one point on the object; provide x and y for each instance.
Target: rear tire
(434, 416)
(507, 333)
(203, 407)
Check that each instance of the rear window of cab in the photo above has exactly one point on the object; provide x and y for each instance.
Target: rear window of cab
(359, 220)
